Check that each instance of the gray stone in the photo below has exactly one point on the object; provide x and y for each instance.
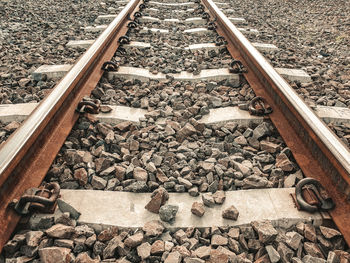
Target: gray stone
(266, 232)
(140, 174)
(153, 228)
(134, 240)
(65, 207)
(111, 249)
(293, 239)
(60, 231)
(55, 254)
(98, 182)
(285, 252)
(230, 213)
(261, 130)
(173, 257)
(197, 209)
(310, 259)
(273, 254)
(219, 197)
(208, 199)
(144, 250)
(167, 213)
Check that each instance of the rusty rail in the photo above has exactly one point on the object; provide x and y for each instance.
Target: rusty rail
(28, 153)
(317, 150)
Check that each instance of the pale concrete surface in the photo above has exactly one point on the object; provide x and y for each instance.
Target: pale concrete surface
(136, 44)
(51, 71)
(154, 30)
(80, 43)
(294, 74)
(265, 47)
(226, 114)
(237, 20)
(122, 113)
(173, 4)
(220, 4)
(19, 112)
(206, 46)
(335, 115)
(105, 18)
(16, 112)
(249, 31)
(125, 209)
(149, 19)
(99, 28)
(198, 30)
(195, 20)
(145, 74)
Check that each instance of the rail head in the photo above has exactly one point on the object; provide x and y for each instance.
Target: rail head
(29, 152)
(317, 150)
(19, 142)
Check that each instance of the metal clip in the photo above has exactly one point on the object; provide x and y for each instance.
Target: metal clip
(132, 24)
(110, 66)
(211, 25)
(142, 6)
(89, 106)
(318, 198)
(205, 15)
(220, 41)
(237, 67)
(137, 14)
(37, 199)
(258, 106)
(124, 40)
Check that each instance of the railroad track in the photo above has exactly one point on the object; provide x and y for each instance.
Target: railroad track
(175, 127)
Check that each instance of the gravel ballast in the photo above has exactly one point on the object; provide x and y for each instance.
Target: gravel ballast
(312, 35)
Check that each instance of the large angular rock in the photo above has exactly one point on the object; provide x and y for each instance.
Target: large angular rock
(219, 197)
(202, 252)
(230, 213)
(158, 198)
(219, 240)
(134, 240)
(85, 258)
(167, 213)
(60, 231)
(310, 232)
(173, 257)
(55, 255)
(273, 254)
(153, 228)
(293, 239)
(266, 232)
(310, 259)
(313, 250)
(285, 252)
(197, 209)
(158, 247)
(140, 174)
(114, 247)
(144, 250)
(33, 238)
(329, 232)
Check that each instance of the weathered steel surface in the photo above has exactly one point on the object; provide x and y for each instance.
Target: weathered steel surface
(317, 150)
(28, 153)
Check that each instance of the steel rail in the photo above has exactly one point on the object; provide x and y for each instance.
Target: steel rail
(316, 149)
(26, 156)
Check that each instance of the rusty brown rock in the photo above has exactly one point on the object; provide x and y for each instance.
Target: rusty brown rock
(159, 198)
(197, 209)
(158, 247)
(230, 213)
(55, 255)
